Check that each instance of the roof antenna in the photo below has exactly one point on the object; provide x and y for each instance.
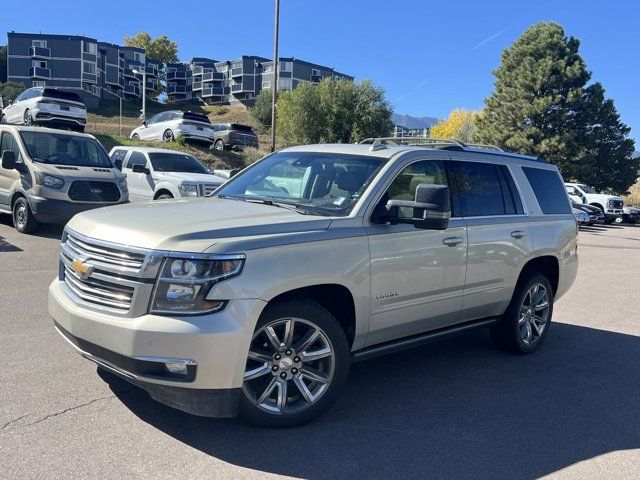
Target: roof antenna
(377, 144)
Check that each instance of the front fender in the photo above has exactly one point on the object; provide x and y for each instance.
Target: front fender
(165, 185)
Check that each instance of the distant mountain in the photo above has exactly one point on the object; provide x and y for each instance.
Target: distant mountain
(413, 122)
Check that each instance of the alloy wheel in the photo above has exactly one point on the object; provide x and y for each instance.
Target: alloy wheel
(27, 118)
(534, 314)
(289, 367)
(168, 136)
(21, 214)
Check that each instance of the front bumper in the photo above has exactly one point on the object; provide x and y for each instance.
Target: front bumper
(217, 344)
(48, 210)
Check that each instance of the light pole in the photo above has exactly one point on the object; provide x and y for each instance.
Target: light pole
(274, 89)
(143, 116)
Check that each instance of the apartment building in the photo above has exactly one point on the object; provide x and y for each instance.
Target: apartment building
(239, 80)
(97, 70)
(401, 131)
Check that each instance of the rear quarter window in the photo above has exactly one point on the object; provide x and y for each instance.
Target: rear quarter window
(548, 189)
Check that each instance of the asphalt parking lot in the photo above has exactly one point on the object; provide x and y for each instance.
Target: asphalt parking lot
(456, 409)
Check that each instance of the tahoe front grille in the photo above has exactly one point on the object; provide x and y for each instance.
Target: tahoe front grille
(91, 191)
(616, 203)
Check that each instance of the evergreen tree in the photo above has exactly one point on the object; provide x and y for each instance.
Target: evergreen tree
(539, 91)
(608, 150)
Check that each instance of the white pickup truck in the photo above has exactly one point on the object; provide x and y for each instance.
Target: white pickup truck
(611, 205)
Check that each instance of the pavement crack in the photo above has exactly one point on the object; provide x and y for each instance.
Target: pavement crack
(66, 410)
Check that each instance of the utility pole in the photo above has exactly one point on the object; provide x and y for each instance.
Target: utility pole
(274, 84)
(120, 115)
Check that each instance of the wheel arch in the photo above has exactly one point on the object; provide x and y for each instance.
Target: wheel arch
(547, 265)
(337, 299)
(163, 190)
(596, 204)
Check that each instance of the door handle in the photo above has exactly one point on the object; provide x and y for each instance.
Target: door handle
(452, 241)
(518, 234)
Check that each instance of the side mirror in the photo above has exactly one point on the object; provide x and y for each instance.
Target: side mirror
(144, 124)
(431, 209)
(9, 160)
(140, 169)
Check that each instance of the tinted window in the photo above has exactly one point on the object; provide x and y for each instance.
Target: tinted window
(241, 128)
(510, 195)
(198, 117)
(154, 119)
(62, 95)
(118, 157)
(549, 190)
(22, 96)
(136, 158)
(176, 162)
(64, 149)
(479, 188)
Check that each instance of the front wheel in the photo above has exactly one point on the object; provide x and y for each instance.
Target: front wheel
(297, 364)
(3, 119)
(27, 119)
(135, 136)
(525, 324)
(219, 145)
(164, 196)
(168, 136)
(23, 219)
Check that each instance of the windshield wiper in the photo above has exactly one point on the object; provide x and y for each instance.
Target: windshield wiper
(266, 201)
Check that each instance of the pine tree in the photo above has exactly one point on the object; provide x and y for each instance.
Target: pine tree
(538, 93)
(608, 150)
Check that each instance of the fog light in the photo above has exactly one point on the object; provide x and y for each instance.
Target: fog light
(176, 368)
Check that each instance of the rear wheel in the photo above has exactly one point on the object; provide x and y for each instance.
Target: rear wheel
(525, 324)
(298, 362)
(135, 136)
(23, 219)
(26, 118)
(219, 145)
(168, 136)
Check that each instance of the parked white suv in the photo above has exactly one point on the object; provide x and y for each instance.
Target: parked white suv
(158, 174)
(257, 299)
(171, 125)
(47, 106)
(611, 205)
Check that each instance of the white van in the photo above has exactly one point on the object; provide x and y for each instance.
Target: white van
(47, 176)
(160, 174)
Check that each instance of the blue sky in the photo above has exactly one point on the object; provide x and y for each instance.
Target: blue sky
(430, 57)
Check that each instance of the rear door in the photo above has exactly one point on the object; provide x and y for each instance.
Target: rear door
(140, 185)
(498, 235)
(8, 177)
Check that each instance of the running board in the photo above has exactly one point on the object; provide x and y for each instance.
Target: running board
(420, 339)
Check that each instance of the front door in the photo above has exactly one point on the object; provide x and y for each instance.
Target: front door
(140, 185)
(417, 276)
(8, 177)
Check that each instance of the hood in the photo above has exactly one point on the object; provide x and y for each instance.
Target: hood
(73, 172)
(191, 225)
(184, 177)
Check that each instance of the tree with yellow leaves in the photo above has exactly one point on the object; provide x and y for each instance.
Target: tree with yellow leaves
(461, 125)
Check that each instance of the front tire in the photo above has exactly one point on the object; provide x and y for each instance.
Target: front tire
(135, 136)
(3, 119)
(23, 219)
(219, 145)
(164, 196)
(525, 324)
(298, 362)
(27, 119)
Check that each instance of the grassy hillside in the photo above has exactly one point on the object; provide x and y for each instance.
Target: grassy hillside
(105, 125)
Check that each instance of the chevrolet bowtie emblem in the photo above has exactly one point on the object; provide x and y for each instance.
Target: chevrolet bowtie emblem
(82, 269)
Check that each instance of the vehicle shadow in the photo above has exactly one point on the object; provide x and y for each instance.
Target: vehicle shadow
(46, 231)
(456, 409)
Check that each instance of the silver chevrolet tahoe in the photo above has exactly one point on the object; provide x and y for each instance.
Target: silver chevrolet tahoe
(257, 299)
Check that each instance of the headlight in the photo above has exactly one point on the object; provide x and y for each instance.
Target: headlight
(123, 184)
(188, 190)
(49, 181)
(184, 284)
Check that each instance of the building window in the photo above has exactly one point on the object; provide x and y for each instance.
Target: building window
(39, 43)
(266, 85)
(89, 67)
(39, 63)
(315, 72)
(39, 83)
(138, 57)
(268, 69)
(91, 48)
(286, 66)
(285, 84)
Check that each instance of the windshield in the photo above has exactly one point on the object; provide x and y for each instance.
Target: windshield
(586, 189)
(319, 183)
(65, 149)
(176, 162)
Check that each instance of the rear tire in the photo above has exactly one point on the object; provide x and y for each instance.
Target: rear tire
(135, 136)
(168, 136)
(27, 119)
(304, 370)
(23, 219)
(219, 145)
(525, 324)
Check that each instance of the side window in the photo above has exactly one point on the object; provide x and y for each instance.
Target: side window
(21, 97)
(510, 195)
(153, 119)
(8, 142)
(118, 158)
(548, 189)
(406, 182)
(136, 158)
(480, 189)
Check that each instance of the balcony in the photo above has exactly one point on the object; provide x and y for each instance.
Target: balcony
(236, 72)
(316, 78)
(197, 85)
(210, 91)
(152, 70)
(39, 52)
(37, 72)
(174, 88)
(128, 72)
(89, 57)
(197, 69)
(212, 76)
(177, 75)
(121, 64)
(89, 77)
(131, 89)
(152, 85)
(237, 88)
